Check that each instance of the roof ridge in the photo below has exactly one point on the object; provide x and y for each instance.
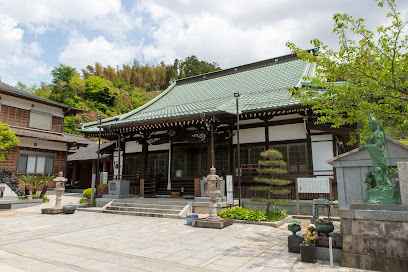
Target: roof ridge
(247, 65)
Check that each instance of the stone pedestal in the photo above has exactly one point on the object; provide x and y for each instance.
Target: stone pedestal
(375, 236)
(403, 181)
(293, 243)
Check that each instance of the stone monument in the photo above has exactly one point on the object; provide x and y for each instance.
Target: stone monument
(379, 187)
(59, 189)
(213, 220)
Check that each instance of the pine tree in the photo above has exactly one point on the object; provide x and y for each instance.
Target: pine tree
(271, 168)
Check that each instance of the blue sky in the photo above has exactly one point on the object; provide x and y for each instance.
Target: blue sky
(39, 35)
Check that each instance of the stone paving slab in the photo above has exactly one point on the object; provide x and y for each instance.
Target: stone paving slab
(87, 241)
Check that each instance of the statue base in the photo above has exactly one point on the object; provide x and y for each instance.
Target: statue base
(387, 195)
(213, 223)
(51, 211)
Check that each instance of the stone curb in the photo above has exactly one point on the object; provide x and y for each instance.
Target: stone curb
(276, 224)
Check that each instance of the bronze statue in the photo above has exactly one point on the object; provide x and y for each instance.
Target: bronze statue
(379, 187)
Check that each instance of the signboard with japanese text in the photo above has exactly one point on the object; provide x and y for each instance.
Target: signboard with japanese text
(313, 185)
(230, 195)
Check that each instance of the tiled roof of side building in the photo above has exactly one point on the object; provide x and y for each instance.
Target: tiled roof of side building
(261, 85)
(13, 91)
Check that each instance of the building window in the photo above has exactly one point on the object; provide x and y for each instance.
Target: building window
(36, 163)
(40, 120)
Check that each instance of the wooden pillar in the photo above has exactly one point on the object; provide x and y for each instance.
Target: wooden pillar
(231, 155)
(142, 181)
(104, 166)
(309, 150)
(197, 191)
(266, 135)
(145, 160)
(93, 167)
(74, 170)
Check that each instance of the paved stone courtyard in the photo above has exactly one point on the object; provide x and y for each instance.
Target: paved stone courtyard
(87, 241)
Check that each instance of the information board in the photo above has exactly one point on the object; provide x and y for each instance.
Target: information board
(313, 185)
(230, 193)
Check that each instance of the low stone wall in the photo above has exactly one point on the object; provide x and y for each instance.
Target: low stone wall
(375, 237)
(305, 207)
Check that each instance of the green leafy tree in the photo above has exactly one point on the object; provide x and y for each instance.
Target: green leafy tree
(271, 168)
(374, 68)
(192, 66)
(8, 140)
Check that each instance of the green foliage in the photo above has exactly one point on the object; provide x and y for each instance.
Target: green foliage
(192, 66)
(22, 197)
(374, 65)
(243, 214)
(8, 140)
(27, 180)
(36, 196)
(110, 91)
(253, 215)
(45, 198)
(46, 178)
(87, 193)
(276, 215)
(103, 189)
(271, 163)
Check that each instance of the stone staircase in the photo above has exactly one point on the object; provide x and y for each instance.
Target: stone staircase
(153, 207)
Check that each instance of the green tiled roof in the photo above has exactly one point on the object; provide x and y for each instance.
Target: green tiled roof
(261, 85)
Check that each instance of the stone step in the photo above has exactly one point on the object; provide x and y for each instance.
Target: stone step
(149, 206)
(157, 201)
(175, 216)
(144, 210)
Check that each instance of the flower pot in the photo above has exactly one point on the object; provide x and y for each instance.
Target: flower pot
(308, 253)
(191, 218)
(69, 209)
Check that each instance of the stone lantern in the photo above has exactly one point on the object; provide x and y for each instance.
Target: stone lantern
(213, 220)
(59, 189)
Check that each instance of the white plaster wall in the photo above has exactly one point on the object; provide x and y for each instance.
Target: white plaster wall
(159, 147)
(286, 117)
(322, 150)
(26, 104)
(287, 132)
(250, 135)
(28, 142)
(131, 147)
(116, 161)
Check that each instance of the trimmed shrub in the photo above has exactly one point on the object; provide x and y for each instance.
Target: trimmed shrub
(253, 215)
(87, 193)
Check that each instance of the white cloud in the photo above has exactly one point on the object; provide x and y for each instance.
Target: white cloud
(41, 15)
(19, 60)
(239, 31)
(80, 52)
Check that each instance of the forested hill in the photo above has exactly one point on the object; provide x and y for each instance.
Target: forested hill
(111, 91)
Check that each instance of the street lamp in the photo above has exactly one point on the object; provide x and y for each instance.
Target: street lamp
(97, 164)
(238, 151)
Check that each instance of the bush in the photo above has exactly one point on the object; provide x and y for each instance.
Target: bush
(36, 196)
(253, 215)
(102, 190)
(22, 197)
(87, 193)
(243, 214)
(276, 215)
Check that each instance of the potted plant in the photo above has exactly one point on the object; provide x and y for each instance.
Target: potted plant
(45, 180)
(27, 181)
(36, 183)
(308, 247)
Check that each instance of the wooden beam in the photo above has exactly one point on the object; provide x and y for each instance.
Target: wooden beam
(341, 130)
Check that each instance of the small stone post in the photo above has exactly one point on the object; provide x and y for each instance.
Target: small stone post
(403, 181)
